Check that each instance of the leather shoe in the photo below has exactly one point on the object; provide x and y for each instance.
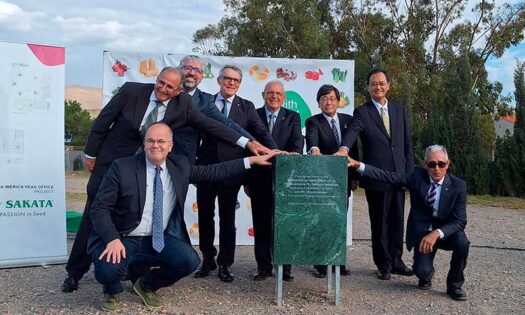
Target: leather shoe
(343, 271)
(69, 285)
(207, 267)
(261, 275)
(383, 275)
(403, 271)
(319, 274)
(224, 274)
(457, 294)
(287, 276)
(424, 285)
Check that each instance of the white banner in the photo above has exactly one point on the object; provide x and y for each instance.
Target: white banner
(32, 190)
(301, 78)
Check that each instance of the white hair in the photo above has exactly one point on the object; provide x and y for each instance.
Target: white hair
(435, 148)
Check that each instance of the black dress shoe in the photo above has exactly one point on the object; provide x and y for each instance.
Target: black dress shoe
(403, 271)
(424, 285)
(224, 274)
(69, 285)
(261, 275)
(208, 265)
(457, 294)
(343, 271)
(319, 273)
(383, 275)
(287, 276)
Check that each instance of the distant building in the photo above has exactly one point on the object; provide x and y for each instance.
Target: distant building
(503, 124)
(89, 98)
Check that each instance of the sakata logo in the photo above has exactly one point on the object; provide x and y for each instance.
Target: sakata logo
(11, 204)
(295, 102)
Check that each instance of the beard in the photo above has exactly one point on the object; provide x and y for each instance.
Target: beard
(189, 85)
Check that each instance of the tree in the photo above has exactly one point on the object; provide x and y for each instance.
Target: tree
(77, 122)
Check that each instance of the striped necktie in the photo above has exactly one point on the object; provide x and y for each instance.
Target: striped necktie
(386, 120)
(336, 134)
(157, 227)
(431, 195)
(152, 117)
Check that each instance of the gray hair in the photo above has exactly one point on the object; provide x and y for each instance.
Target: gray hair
(193, 58)
(234, 68)
(435, 148)
(171, 69)
(273, 82)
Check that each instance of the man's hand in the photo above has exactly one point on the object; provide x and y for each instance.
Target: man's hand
(315, 151)
(256, 148)
(115, 251)
(261, 159)
(89, 163)
(342, 152)
(353, 163)
(428, 242)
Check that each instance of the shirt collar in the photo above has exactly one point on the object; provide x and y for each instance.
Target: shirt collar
(153, 98)
(440, 182)
(378, 106)
(268, 112)
(151, 165)
(329, 119)
(220, 98)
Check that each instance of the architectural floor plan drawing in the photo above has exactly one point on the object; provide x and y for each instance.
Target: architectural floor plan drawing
(30, 90)
(12, 146)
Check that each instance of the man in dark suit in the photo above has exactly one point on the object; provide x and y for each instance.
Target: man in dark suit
(385, 135)
(211, 151)
(437, 218)
(185, 139)
(138, 218)
(324, 132)
(285, 128)
(118, 132)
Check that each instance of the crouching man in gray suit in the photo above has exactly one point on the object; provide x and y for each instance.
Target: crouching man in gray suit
(437, 216)
(138, 218)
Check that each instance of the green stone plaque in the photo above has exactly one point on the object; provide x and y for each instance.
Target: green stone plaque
(310, 210)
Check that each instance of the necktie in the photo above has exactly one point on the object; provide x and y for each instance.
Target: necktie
(431, 195)
(152, 117)
(271, 122)
(386, 120)
(157, 228)
(224, 109)
(336, 134)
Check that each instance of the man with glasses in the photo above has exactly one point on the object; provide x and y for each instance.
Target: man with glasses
(138, 219)
(437, 218)
(324, 132)
(385, 135)
(210, 152)
(185, 139)
(118, 132)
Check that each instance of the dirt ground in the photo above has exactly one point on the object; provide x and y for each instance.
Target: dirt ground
(494, 279)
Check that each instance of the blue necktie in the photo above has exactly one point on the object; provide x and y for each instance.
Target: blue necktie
(271, 122)
(157, 233)
(224, 109)
(336, 134)
(431, 195)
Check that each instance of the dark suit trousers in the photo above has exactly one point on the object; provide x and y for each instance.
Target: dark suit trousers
(386, 211)
(459, 245)
(227, 199)
(79, 261)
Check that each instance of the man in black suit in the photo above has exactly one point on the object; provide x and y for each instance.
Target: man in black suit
(385, 135)
(437, 218)
(211, 151)
(185, 139)
(138, 219)
(324, 132)
(118, 132)
(285, 128)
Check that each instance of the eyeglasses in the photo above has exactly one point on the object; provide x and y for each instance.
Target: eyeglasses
(433, 164)
(234, 80)
(190, 68)
(325, 99)
(376, 84)
(160, 142)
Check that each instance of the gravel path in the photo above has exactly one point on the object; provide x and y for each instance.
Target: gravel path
(494, 280)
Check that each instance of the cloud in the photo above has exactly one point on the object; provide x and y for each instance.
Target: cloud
(14, 18)
(502, 69)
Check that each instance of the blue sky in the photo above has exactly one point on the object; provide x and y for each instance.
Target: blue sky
(87, 28)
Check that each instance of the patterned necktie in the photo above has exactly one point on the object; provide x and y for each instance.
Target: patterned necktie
(431, 195)
(224, 109)
(386, 120)
(336, 134)
(157, 227)
(271, 122)
(152, 117)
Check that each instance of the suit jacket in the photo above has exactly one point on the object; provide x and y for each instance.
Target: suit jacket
(119, 203)
(115, 133)
(392, 153)
(185, 139)
(319, 134)
(452, 212)
(286, 131)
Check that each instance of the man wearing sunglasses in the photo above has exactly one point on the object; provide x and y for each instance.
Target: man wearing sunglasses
(437, 216)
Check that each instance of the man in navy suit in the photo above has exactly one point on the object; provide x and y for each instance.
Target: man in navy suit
(385, 136)
(324, 132)
(285, 128)
(138, 219)
(118, 132)
(437, 218)
(211, 151)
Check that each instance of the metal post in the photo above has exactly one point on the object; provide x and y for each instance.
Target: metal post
(329, 278)
(279, 285)
(337, 284)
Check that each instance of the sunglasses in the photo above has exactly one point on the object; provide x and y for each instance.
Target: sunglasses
(433, 164)
(189, 68)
